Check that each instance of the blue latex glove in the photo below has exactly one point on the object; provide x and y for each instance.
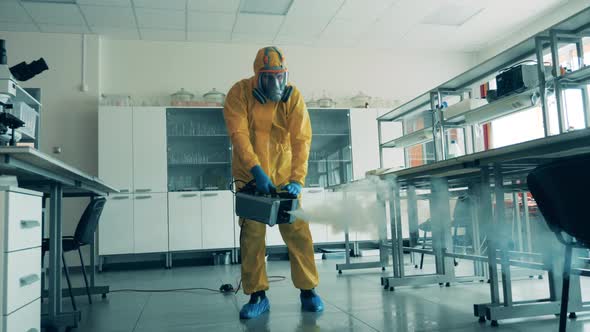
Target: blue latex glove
(293, 188)
(263, 182)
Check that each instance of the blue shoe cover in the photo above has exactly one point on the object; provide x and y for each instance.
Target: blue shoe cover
(253, 310)
(311, 303)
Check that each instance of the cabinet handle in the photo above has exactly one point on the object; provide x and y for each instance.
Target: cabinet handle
(33, 330)
(143, 197)
(143, 190)
(120, 197)
(28, 280)
(317, 191)
(124, 190)
(24, 224)
(210, 194)
(190, 195)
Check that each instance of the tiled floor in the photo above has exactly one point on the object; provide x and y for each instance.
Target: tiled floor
(354, 301)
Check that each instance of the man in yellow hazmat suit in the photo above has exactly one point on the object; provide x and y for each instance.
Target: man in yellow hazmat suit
(270, 132)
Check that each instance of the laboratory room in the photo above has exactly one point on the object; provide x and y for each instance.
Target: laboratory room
(294, 165)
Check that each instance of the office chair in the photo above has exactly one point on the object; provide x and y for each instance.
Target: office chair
(461, 220)
(560, 189)
(84, 235)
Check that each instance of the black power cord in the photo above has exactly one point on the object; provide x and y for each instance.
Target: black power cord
(224, 289)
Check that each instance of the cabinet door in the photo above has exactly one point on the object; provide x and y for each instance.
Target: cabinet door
(115, 228)
(365, 141)
(184, 221)
(218, 219)
(150, 223)
(149, 150)
(115, 147)
(314, 198)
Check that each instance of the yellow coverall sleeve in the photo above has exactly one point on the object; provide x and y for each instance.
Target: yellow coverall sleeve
(300, 132)
(236, 119)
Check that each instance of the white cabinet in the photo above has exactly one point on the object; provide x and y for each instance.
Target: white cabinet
(218, 219)
(335, 234)
(149, 150)
(115, 146)
(364, 140)
(185, 221)
(314, 198)
(201, 220)
(115, 228)
(150, 222)
(20, 259)
(311, 198)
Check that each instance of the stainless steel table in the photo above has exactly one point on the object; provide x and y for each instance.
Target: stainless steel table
(485, 173)
(56, 179)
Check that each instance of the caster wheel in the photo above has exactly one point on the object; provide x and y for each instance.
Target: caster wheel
(495, 323)
(339, 271)
(573, 315)
(455, 263)
(482, 319)
(104, 296)
(416, 266)
(540, 277)
(391, 289)
(385, 287)
(448, 284)
(440, 284)
(383, 268)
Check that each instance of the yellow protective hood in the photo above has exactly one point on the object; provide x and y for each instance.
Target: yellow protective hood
(269, 59)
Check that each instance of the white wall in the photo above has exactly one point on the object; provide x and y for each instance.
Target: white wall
(147, 69)
(140, 68)
(522, 33)
(69, 116)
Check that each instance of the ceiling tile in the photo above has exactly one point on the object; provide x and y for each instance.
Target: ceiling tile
(18, 27)
(56, 28)
(263, 25)
(163, 35)
(161, 4)
(109, 16)
(339, 29)
(116, 33)
(304, 26)
(160, 19)
(54, 13)
(13, 12)
(288, 40)
(215, 6)
(363, 9)
(115, 3)
(199, 21)
(314, 8)
(215, 37)
(251, 38)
